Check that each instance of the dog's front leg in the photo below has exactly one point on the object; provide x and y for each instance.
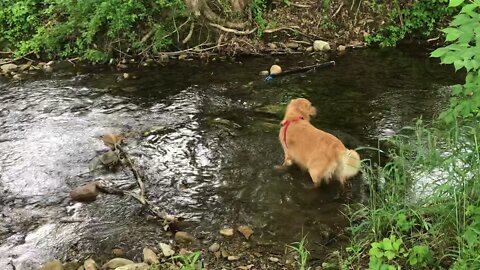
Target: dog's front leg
(287, 161)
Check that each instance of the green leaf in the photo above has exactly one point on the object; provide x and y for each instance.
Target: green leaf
(439, 52)
(458, 64)
(389, 254)
(452, 33)
(461, 19)
(468, 8)
(455, 3)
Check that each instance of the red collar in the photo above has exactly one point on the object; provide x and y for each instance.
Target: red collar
(285, 125)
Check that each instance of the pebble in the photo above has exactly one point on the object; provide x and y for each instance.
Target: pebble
(226, 232)
(53, 265)
(183, 237)
(150, 257)
(214, 247)
(117, 262)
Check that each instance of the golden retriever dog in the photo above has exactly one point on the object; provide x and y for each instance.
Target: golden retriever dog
(323, 155)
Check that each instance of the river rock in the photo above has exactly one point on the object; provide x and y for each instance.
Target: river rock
(233, 258)
(164, 58)
(246, 231)
(275, 69)
(321, 46)
(226, 232)
(90, 265)
(26, 66)
(117, 262)
(183, 237)
(150, 257)
(17, 77)
(135, 266)
(214, 247)
(341, 48)
(85, 193)
(272, 46)
(126, 76)
(182, 56)
(167, 250)
(53, 265)
(292, 45)
(48, 68)
(118, 252)
(264, 73)
(8, 67)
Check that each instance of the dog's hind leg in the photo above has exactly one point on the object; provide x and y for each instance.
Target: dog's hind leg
(317, 175)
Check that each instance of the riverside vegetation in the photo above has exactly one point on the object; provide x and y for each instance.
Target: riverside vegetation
(424, 205)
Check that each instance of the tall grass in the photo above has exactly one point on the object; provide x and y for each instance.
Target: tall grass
(424, 205)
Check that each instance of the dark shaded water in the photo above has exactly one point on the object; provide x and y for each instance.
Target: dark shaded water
(212, 161)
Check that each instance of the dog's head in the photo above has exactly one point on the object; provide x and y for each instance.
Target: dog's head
(300, 107)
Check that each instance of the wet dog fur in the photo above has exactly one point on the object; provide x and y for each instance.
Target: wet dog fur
(320, 153)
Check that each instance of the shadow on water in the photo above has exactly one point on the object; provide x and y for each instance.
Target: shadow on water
(212, 161)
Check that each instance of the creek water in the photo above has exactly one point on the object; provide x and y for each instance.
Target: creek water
(205, 137)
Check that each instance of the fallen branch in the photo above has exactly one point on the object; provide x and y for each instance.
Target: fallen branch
(299, 5)
(16, 59)
(230, 30)
(303, 69)
(291, 28)
(135, 172)
(338, 10)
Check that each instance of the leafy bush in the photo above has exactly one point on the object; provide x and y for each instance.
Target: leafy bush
(91, 29)
(464, 53)
(417, 19)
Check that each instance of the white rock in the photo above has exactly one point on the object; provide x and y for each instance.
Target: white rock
(149, 256)
(90, 265)
(320, 46)
(167, 250)
(117, 262)
(135, 266)
(8, 67)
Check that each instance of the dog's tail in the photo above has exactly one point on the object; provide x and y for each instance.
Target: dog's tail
(349, 164)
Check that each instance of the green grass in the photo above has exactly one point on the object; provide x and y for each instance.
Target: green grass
(424, 205)
(190, 261)
(302, 253)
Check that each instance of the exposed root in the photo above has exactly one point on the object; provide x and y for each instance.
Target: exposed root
(236, 32)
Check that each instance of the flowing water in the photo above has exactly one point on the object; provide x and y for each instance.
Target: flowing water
(208, 157)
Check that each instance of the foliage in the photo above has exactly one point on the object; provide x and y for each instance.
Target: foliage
(424, 207)
(302, 252)
(259, 7)
(91, 29)
(418, 19)
(464, 53)
(190, 261)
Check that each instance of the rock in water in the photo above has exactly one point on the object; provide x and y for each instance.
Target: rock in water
(321, 46)
(117, 262)
(246, 231)
(341, 48)
(226, 232)
(214, 247)
(183, 237)
(275, 69)
(167, 250)
(53, 265)
(8, 67)
(90, 265)
(85, 193)
(150, 257)
(135, 266)
(118, 252)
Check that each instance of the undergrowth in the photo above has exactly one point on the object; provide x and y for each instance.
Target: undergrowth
(424, 205)
(90, 29)
(409, 20)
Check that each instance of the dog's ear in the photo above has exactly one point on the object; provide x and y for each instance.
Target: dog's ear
(307, 109)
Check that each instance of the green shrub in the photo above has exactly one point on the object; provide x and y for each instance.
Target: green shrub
(464, 53)
(91, 29)
(409, 19)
